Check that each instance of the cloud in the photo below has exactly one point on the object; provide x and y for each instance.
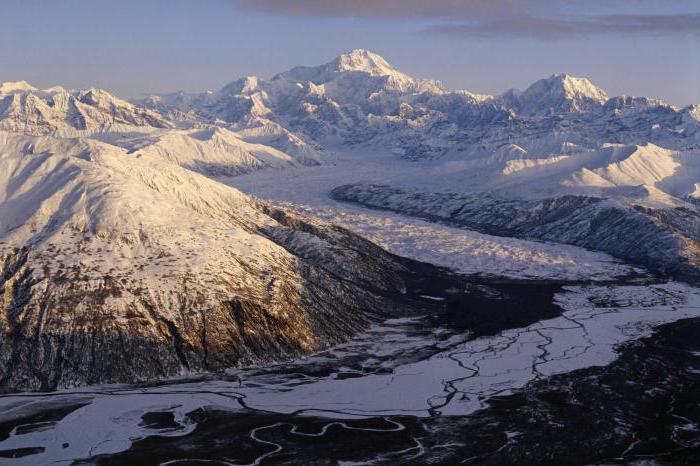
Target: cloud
(573, 27)
(506, 19)
(388, 9)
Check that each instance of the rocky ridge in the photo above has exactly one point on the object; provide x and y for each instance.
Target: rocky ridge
(117, 268)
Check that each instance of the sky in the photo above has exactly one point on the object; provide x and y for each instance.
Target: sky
(135, 48)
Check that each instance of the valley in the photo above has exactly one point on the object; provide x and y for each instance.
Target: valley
(342, 255)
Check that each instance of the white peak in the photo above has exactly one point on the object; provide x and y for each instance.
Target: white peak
(559, 92)
(356, 61)
(572, 87)
(575, 87)
(100, 98)
(54, 90)
(245, 85)
(363, 60)
(214, 133)
(153, 99)
(12, 87)
(693, 111)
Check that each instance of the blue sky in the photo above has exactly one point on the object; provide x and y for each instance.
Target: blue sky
(138, 47)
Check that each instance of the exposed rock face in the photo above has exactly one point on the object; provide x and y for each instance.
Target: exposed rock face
(118, 269)
(59, 332)
(665, 239)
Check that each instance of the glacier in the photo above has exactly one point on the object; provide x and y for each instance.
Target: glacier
(340, 250)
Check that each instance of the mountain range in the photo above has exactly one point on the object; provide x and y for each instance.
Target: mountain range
(122, 258)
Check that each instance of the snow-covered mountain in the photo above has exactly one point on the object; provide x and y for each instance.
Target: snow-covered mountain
(360, 99)
(561, 138)
(114, 237)
(212, 151)
(24, 108)
(562, 134)
(116, 267)
(559, 93)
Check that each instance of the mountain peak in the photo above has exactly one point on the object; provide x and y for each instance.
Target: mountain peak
(100, 98)
(11, 87)
(561, 92)
(355, 61)
(244, 85)
(365, 61)
(572, 87)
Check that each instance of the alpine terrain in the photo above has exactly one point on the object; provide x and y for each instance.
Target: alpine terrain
(348, 253)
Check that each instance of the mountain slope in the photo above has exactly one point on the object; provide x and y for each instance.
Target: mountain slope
(26, 109)
(115, 268)
(663, 238)
(211, 151)
(637, 203)
(557, 94)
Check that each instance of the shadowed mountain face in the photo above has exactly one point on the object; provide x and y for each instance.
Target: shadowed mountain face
(115, 268)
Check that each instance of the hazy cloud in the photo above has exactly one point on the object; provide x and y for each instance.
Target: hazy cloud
(489, 18)
(392, 8)
(569, 28)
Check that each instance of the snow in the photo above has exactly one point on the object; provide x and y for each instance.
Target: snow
(130, 212)
(559, 92)
(120, 176)
(306, 190)
(56, 111)
(515, 173)
(211, 151)
(470, 252)
(474, 370)
(356, 61)
(359, 100)
(11, 87)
